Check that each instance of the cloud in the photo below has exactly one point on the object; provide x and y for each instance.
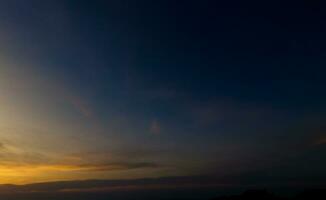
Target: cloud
(23, 161)
(119, 166)
(18, 165)
(155, 127)
(14, 160)
(311, 131)
(80, 105)
(320, 141)
(21, 173)
(15, 168)
(13, 155)
(104, 167)
(115, 185)
(2, 146)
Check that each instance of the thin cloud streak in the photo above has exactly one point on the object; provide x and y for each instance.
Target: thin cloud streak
(155, 127)
(80, 105)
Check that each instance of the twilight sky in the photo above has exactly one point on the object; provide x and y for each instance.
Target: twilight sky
(133, 89)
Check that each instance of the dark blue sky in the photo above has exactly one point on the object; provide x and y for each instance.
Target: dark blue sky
(190, 87)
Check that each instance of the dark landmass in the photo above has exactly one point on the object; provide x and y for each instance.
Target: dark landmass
(114, 185)
(234, 184)
(311, 194)
(316, 194)
(169, 188)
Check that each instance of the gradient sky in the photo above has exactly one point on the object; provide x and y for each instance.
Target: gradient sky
(133, 89)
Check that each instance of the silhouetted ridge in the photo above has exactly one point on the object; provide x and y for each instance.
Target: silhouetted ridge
(251, 195)
(313, 194)
(258, 194)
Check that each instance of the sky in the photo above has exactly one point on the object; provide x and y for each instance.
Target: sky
(145, 89)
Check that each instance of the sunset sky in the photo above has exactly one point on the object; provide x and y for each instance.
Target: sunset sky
(139, 89)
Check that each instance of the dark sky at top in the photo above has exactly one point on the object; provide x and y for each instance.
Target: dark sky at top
(203, 87)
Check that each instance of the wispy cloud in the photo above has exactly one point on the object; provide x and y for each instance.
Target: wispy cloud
(32, 169)
(117, 185)
(155, 127)
(17, 163)
(80, 104)
(320, 141)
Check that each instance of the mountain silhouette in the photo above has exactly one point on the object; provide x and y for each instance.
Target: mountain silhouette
(312, 194)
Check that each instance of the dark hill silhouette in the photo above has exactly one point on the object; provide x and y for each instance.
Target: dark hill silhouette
(312, 194)
(252, 195)
(168, 188)
(315, 194)
(87, 184)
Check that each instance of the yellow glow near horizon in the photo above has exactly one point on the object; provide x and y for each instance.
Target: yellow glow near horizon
(45, 124)
(31, 135)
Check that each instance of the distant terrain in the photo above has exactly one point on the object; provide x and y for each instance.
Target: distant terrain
(169, 188)
(311, 194)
